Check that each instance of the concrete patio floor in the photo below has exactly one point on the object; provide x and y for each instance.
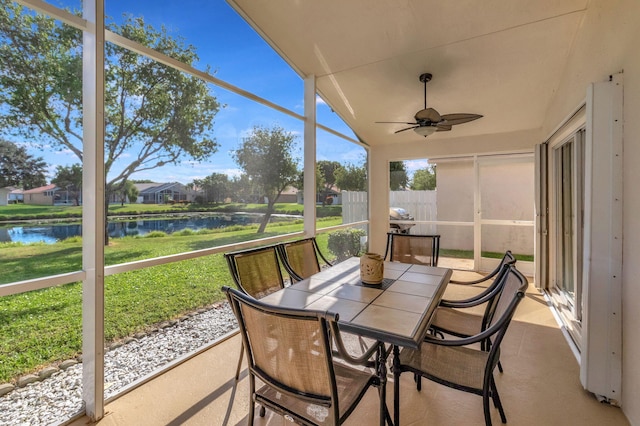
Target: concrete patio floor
(540, 386)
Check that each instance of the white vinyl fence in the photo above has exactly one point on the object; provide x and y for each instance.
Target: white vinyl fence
(354, 206)
(420, 204)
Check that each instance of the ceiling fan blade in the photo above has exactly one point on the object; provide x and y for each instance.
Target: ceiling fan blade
(443, 127)
(394, 122)
(452, 119)
(428, 114)
(405, 129)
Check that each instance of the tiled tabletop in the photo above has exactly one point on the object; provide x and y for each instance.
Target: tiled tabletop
(399, 314)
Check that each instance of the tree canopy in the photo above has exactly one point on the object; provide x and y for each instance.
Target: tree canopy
(398, 178)
(154, 114)
(352, 178)
(19, 168)
(265, 156)
(216, 187)
(69, 178)
(424, 179)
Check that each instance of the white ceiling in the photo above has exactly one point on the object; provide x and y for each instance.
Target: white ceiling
(499, 58)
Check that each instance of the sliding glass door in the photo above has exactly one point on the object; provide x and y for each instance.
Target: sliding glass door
(567, 206)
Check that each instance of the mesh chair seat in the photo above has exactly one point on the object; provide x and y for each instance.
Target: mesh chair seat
(456, 322)
(448, 364)
(350, 382)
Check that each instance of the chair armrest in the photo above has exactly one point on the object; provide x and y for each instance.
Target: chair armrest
(343, 353)
(470, 302)
(324, 259)
(474, 282)
(477, 338)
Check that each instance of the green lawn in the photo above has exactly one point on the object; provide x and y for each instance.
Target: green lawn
(41, 327)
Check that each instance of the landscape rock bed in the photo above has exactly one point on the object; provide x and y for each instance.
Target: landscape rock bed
(55, 395)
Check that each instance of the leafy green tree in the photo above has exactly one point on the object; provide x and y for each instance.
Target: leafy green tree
(128, 192)
(266, 158)
(328, 170)
(19, 168)
(424, 179)
(352, 178)
(154, 114)
(299, 183)
(241, 188)
(216, 187)
(70, 179)
(398, 178)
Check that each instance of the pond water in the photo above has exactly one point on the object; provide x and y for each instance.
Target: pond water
(52, 232)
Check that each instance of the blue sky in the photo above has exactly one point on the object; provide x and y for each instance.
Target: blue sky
(237, 55)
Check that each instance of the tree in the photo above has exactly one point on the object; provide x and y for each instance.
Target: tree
(398, 178)
(424, 179)
(299, 183)
(70, 179)
(352, 178)
(328, 170)
(129, 192)
(154, 114)
(241, 188)
(18, 168)
(265, 157)
(216, 187)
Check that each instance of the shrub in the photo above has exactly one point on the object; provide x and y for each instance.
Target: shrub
(345, 243)
(185, 232)
(156, 234)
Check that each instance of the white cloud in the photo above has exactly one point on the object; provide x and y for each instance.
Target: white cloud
(413, 165)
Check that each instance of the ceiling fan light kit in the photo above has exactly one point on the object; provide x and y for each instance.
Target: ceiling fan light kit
(429, 121)
(425, 130)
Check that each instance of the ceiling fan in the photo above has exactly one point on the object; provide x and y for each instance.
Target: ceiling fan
(428, 120)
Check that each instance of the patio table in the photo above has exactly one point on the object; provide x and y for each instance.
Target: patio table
(397, 312)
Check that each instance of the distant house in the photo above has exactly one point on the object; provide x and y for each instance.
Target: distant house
(329, 196)
(44, 195)
(10, 195)
(289, 195)
(160, 193)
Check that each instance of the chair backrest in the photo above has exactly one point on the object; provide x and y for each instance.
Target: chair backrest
(289, 350)
(256, 272)
(413, 248)
(513, 290)
(496, 274)
(301, 258)
(508, 258)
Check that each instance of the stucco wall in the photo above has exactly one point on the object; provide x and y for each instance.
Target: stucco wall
(608, 43)
(506, 193)
(521, 141)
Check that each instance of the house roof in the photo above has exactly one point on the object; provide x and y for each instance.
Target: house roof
(40, 189)
(157, 187)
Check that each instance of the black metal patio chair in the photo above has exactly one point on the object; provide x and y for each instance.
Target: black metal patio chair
(289, 351)
(459, 363)
(302, 258)
(413, 248)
